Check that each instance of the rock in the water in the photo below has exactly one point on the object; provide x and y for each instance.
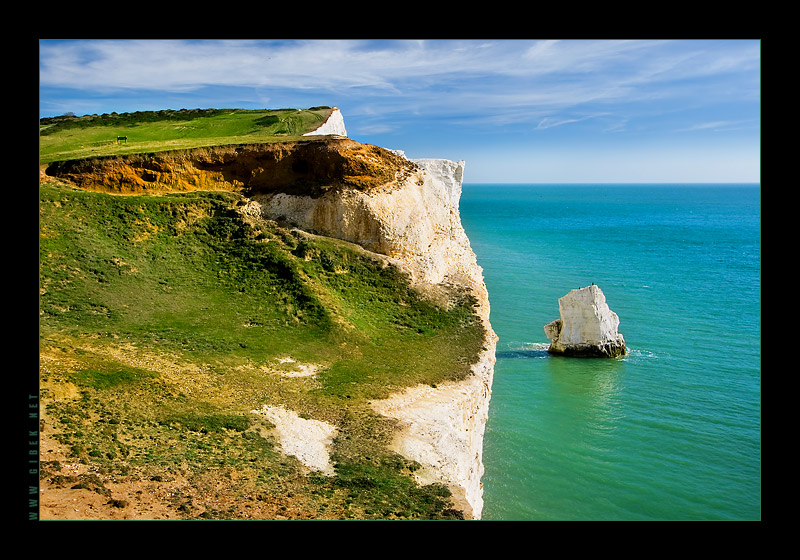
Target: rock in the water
(587, 326)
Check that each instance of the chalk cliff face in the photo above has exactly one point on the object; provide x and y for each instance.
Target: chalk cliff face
(416, 222)
(333, 125)
(587, 326)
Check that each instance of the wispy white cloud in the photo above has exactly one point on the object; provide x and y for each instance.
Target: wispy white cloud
(511, 68)
(719, 125)
(185, 65)
(548, 122)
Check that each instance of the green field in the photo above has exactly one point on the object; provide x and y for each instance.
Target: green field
(149, 131)
(168, 319)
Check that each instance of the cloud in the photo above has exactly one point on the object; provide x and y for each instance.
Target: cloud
(549, 122)
(180, 64)
(174, 65)
(542, 83)
(717, 125)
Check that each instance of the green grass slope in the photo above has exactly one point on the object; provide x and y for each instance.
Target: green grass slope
(166, 320)
(62, 138)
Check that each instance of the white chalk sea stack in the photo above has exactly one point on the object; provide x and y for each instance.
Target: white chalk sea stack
(587, 326)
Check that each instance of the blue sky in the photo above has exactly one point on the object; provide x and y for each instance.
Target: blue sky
(536, 111)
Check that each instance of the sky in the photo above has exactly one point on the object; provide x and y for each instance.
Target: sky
(516, 111)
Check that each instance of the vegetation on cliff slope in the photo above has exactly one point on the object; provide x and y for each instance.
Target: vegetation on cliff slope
(71, 137)
(166, 320)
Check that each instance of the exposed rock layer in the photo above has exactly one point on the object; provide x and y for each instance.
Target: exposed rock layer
(309, 167)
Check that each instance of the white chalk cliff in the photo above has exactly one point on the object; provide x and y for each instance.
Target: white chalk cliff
(587, 326)
(334, 124)
(405, 210)
(415, 221)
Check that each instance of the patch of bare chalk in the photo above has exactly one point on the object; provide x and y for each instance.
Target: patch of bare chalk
(307, 440)
(295, 369)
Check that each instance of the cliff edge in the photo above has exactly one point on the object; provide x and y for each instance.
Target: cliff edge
(406, 210)
(415, 221)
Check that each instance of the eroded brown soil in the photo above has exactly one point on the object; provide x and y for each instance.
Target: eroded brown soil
(304, 167)
(73, 488)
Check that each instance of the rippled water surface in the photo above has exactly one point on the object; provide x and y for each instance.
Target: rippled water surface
(670, 432)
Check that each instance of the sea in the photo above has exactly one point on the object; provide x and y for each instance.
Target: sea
(669, 432)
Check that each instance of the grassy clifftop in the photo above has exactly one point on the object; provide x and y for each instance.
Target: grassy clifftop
(166, 320)
(71, 137)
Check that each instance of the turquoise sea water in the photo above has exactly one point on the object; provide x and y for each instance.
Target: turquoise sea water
(673, 430)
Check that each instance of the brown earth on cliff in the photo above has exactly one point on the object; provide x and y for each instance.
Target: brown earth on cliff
(304, 167)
